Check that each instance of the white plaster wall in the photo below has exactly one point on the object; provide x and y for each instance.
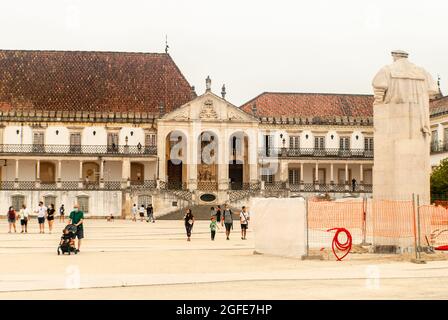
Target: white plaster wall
(62, 138)
(10, 135)
(137, 137)
(304, 142)
(150, 170)
(332, 143)
(357, 144)
(99, 139)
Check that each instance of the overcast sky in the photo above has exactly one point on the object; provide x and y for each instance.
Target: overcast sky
(251, 46)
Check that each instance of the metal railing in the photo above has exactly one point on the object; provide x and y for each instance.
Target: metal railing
(316, 153)
(75, 185)
(59, 149)
(439, 147)
(330, 188)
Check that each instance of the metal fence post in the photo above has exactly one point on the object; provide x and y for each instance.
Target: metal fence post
(416, 232)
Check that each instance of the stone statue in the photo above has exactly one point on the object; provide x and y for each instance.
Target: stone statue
(401, 130)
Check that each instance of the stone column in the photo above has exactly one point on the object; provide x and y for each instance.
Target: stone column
(37, 174)
(316, 178)
(347, 186)
(284, 172)
(125, 184)
(331, 176)
(126, 172)
(101, 173)
(16, 177)
(59, 175)
(361, 176)
(161, 152)
(302, 181)
(80, 184)
(223, 162)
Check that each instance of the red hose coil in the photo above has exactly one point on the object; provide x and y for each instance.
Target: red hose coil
(345, 247)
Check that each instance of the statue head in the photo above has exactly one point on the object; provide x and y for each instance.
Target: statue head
(399, 54)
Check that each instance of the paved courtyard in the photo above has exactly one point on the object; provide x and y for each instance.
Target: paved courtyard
(135, 260)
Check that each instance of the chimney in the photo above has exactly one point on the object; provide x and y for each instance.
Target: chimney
(208, 84)
(254, 109)
(161, 108)
(193, 92)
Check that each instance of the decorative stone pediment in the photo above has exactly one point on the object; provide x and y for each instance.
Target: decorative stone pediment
(209, 107)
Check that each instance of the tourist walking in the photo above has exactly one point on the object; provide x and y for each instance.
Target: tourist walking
(50, 216)
(12, 219)
(41, 212)
(62, 213)
(218, 214)
(227, 220)
(213, 227)
(23, 215)
(134, 212)
(150, 213)
(77, 218)
(244, 221)
(189, 222)
(142, 212)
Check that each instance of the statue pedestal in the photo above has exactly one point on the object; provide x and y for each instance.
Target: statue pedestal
(401, 154)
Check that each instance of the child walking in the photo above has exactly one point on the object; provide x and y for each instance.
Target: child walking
(213, 227)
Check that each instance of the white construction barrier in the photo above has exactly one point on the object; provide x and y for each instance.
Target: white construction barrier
(279, 226)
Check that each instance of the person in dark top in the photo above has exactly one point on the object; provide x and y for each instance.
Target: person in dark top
(353, 185)
(50, 216)
(62, 213)
(150, 213)
(189, 221)
(12, 217)
(218, 214)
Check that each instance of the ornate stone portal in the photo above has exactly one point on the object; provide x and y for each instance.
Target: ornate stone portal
(401, 130)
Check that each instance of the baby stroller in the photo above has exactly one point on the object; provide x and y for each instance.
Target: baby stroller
(67, 243)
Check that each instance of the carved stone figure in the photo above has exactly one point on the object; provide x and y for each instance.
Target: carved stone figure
(401, 130)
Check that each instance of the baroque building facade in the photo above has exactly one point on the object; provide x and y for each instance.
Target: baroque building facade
(108, 129)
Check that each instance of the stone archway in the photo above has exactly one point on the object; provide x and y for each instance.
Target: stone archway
(175, 155)
(238, 160)
(137, 173)
(207, 166)
(47, 173)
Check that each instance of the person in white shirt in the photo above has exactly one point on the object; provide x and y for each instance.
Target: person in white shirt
(244, 221)
(141, 212)
(134, 212)
(41, 212)
(24, 214)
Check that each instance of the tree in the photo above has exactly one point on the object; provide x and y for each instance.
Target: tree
(439, 178)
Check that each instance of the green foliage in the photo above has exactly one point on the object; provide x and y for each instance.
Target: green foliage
(439, 178)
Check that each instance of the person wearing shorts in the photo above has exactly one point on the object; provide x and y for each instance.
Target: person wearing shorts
(244, 221)
(50, 216)
(24, 214)
(77, 218)
(227, 220)
(12, 219)
(141, 212)
(41, 214)
(62, 213)
(134, 212)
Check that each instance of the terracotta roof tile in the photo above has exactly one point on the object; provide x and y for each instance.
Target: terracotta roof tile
(90, 81)
(276, 104)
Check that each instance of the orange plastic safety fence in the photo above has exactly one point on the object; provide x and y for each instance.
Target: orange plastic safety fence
(331, 214)
(433, 225)
(392, 219)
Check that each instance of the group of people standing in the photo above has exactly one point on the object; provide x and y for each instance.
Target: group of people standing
(149, 210)
(43, 213)
(219, 216)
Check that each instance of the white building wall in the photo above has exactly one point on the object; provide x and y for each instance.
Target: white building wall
(70, 170)
(112, 170)
(98, 139)
(10, 136)
(357, 143)
(150, 170)
(137, 136)
(307, 142)
(62, 136)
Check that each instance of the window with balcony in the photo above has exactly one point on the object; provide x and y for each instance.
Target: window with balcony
(75, 142)
(319, 143)
(112, 142)
(38, 141)
(150, 142)
(267, 178)
(368, 144)
(268, 144)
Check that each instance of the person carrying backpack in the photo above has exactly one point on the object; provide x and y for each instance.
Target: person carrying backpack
(227, 220)
(244, 221)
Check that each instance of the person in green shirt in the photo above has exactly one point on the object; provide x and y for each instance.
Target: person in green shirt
(77, 218)
(213, 227)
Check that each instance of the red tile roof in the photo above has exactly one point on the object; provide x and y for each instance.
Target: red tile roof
(439, 105)
(279, 104)
(90, 81)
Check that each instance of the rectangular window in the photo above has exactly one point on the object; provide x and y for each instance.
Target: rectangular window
(17, 202)
(38, 142)
(267, 178)
(112, 142)
(319, 143)
(268, 142)
(150, 143)
(368, 144)
(75, 142)
(294, 142)
(294, 176)
(344, 143)
(83, 202)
